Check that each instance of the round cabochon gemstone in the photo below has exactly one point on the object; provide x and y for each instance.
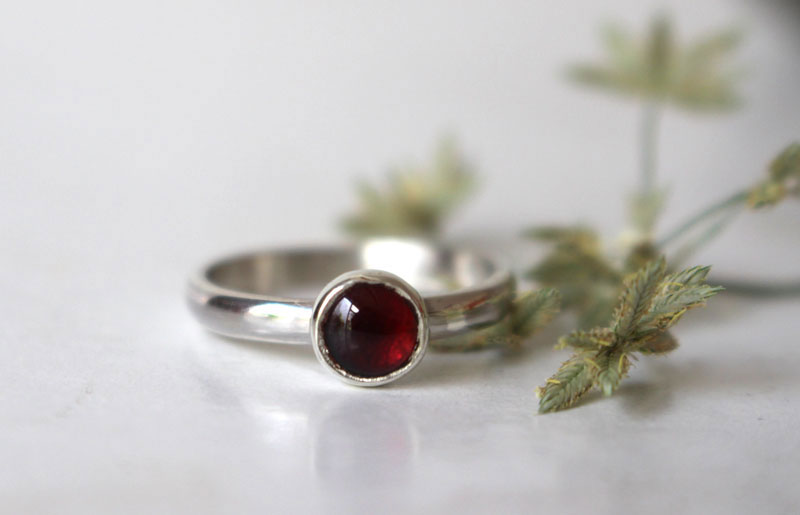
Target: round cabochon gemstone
(370, 330)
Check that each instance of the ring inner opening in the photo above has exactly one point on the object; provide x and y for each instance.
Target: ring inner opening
(303, 273)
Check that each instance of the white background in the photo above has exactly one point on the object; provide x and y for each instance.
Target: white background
(138, 140)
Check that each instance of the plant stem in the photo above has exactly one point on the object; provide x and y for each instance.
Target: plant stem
(733, 201)
(707, 235)
(762, 289)
(648, 144)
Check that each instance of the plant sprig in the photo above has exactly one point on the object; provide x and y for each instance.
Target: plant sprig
(416, 200)
(626, 301)
(589, 283)
(659, 72)
(590, 279)
(652, 301)
(695, 76)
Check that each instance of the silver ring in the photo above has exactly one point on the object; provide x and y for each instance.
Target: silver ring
(369, 310)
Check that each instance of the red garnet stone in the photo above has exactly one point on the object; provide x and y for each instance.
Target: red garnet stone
(370, 330)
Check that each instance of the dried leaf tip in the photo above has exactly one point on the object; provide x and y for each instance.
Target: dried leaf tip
(783, 179)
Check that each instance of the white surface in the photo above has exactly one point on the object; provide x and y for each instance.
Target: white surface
(138, 140)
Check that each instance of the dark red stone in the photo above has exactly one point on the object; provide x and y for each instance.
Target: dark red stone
(370, 330)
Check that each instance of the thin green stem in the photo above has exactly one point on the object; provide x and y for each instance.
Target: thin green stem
(762, 289)
(736, 200)
(649, 144)
(701, 240)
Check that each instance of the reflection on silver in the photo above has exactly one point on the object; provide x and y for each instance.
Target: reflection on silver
(286, 317)
(406, 259)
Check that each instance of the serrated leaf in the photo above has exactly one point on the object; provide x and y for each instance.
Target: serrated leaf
(534, 310)
(530, 312)
(571, 382)
(787, 164)
(692, 276)
(598, 307)
(767, 193)
(651, 303)
(656, 68)
(584, 340)
(572, 265)
(711, 48)
(578, 236)
(621, 46)
(416, 200)
(499, 334)
(612, 366)
(612, 80)
(661, 344)
(671, 303)
(637, 297)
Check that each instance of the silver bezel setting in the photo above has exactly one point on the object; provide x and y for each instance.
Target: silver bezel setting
(332, 291)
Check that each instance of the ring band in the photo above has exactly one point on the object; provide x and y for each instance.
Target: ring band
(397, 293)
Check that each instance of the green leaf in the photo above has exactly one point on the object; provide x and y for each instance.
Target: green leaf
(783, 179)
(495, 335)
(651, 302)
(787, 164)
(670, 305)
(564, 266)
(589, 283)
(712, 48)
(637, 297)
(621, 46)
(598, 306)
(659, 52)
(416, 200)
(767, 193)
(693, 276)
(706, 93)
(655, 67)
(571, 382)
(530, 312)
(661, 344)
(534, 310)
(603, 78)
(582, 340)
(577, 236)
(612, 366)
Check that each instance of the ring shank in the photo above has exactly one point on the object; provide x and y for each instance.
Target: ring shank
(269, 296)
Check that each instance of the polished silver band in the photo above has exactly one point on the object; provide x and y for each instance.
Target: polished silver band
(369, 310)
(269, 296)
